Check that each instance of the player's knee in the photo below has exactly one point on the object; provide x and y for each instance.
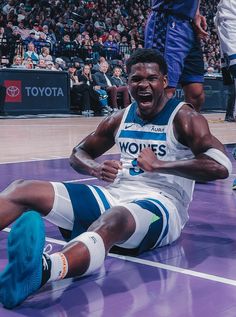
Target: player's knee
(196, 98)
(17, 191)
(96, 248)
(115, 226)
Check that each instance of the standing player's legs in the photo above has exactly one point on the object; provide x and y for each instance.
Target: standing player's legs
(192, 77)
(176, 40)
(229, 83)
(194, 94)
(233, 72)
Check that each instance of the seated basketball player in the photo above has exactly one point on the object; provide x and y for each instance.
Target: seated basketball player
(165, 145)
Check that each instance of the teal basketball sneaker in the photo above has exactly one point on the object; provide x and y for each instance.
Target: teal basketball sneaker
(23, 273)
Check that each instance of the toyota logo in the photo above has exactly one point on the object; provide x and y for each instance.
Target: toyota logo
(13, 91)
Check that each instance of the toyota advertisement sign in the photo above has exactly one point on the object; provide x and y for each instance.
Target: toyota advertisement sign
(35, 91)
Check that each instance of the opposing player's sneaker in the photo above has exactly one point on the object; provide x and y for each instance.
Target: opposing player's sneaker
(23, 273)
(234, 185)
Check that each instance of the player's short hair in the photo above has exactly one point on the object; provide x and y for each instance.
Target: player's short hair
(146, 55)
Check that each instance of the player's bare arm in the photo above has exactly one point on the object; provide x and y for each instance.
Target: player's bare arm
(191, 129)
(200, 24)
(97, 143)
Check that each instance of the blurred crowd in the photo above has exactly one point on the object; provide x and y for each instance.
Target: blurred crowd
(72, 30)
(36, 33)
(211, 46)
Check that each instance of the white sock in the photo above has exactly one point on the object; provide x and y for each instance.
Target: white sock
(59, 266)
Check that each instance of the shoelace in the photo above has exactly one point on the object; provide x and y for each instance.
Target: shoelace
(46, 256)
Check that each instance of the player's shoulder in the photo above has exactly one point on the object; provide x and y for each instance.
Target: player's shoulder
(187, 113)
(189, 123)
(111, 122)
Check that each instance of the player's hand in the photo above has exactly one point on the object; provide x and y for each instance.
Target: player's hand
(108, 170)
(200, 25)
(148, 161)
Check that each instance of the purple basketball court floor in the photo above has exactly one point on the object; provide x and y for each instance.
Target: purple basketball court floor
(195, 276)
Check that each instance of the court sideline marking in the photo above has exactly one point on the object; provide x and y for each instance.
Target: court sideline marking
(159, 265)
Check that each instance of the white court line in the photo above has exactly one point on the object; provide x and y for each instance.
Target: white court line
(158, 265)
(36, 159)
(80, 180)
(32, 160)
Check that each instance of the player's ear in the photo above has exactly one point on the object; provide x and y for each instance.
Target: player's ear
(165, 81)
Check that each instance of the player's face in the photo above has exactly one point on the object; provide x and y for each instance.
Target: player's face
(146, 84)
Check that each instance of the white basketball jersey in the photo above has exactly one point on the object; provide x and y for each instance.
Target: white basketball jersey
(133, 135)
(225, 21)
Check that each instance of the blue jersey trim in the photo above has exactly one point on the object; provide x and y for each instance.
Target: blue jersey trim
(231, 57)
(142, 135)
(167, 217)
(161, 118)
(85, 207)
(102, 197)
(155, 227)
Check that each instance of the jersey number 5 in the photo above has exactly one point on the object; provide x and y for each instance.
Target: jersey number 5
(135, 170)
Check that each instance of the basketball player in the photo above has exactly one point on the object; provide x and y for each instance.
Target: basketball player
(164, 145)
(175, 28)
(225, 22)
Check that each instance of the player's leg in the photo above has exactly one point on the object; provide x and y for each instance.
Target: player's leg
(192, 77)
(184, 60)
(29, 268)
(162, 33)
(194, 94)
(86, 253)
(21, 196)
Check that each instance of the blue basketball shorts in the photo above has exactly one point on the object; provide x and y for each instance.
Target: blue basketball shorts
(176, 40)
(77, 206)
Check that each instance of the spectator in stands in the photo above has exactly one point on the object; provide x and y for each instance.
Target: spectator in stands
(66, 47)
(50, 65)
(50, 37)
(31, 53)
(105, 82)
(118, 80)
(30, 38)
(36, 30)
(41, 42)
(110, 48)
(8, 28)
(124, 48)
(45, 54)
(3, 42)
(17, 62)
(211, 72)
(41, 64)
(7, 8)
(97, 48)
(60, 64)
(28, 63)
(24, 32)
(86, 47)
(83, 96)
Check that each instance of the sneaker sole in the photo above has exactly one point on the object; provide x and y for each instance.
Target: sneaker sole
(23, 273)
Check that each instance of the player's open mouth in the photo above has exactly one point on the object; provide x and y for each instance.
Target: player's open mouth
(145, 97)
